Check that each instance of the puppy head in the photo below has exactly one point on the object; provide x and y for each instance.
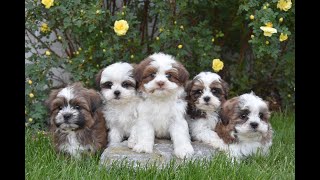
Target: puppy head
(160, 75)
(246, 116)
(116, 82)
(207, 91)
(73, 107)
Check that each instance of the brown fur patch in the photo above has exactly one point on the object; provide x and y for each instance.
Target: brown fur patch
(139, 73)
(183, 74)
(228, 115)
(98, 78)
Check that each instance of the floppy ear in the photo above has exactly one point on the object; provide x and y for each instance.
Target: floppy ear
(98, 78)
(225, 87)
(53, 94)
(227, 110)
(188, 88)
(138, 70)
(95, 100)
(183, 73)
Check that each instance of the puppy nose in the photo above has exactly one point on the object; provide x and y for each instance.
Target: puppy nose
(160, 83)
(254, 125)
(117, 93)
(67, 116)
(206, 99)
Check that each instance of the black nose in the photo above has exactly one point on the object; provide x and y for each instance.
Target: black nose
(206, 99)
(254, 125)
(67, 116)
(117, 93)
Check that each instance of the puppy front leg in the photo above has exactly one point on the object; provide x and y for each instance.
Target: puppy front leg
(144, 135)
(180, 137)
(115, 136)
(209, 137)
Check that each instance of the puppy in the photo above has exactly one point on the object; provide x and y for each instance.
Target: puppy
(245, 126)
(76, 120)
(161, 81)
(205, 94)
(118, 88)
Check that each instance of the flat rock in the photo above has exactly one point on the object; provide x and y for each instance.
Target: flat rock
(161, 156)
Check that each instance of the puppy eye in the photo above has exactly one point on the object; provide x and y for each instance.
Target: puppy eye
(168, 76)
(198, 91)
(152, 75)
(78, 107)
(216, 91)
(107, 85)
(60, 107)
(125, 85)
(260, 115)
(243, 116)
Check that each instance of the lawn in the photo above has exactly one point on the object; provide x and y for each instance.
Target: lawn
(41, 162)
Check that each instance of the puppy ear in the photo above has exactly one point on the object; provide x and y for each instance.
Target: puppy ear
(225, 87)
(188, 88)
(98, 78)
(95, 100)
(227, 110)
(183, 73)
(53, 94)
(139, 68)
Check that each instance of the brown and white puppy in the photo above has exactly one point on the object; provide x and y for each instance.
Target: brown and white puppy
(76, 120)
(118, 88)
(245, 126)
(205, 94)
(161, 81)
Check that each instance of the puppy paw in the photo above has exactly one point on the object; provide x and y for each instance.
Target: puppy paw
(185, 151)
(131, 143)
(142, 148)
(220, 146)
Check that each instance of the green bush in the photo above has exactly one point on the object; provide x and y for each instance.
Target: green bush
(195, 32)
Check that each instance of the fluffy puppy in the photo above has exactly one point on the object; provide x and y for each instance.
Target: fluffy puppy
(76, 120)
(118, 88)
(205, 94)
(245, 125)
(161, 81)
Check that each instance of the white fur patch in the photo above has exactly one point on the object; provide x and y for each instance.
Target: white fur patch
(72, 145)
(67, 93)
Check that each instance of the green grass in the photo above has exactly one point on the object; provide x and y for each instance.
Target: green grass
(43, 163)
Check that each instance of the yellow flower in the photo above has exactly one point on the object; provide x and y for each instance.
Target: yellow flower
(44, 28)
(281, 19)
(180, 46)
(121, 27)
(267, 42)
(47, 3)
(252, 17)
(59, 37)
(160, 29)
(98, 12)
(132, 56)
(122, 13)
(284, 5)
(104, 50)
(268, 29)
(175, 22)
(48, 53)
(181, 27)
(30, 119)
(212, 39)
(80, 49)
(77, 52)
(283, 37)
(217, 65)
(252, 36)
(157, 38)
(30, 82)
(264, 7)
(31, 95)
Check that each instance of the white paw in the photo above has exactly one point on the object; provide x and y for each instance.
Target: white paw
(131, 143)
(220, 146)
(143, 148)
(185, 151)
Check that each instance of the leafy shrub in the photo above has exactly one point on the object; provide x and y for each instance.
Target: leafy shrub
(195, 32)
